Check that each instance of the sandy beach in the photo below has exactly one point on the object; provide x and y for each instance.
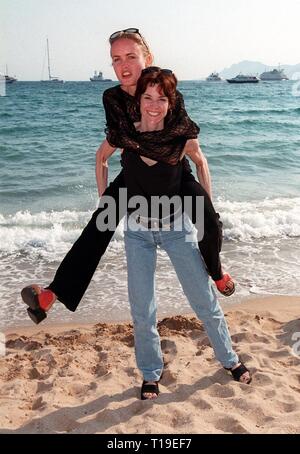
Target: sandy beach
(83, 379)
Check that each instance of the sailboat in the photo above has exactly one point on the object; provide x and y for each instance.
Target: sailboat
(51, 79)
(9, 79)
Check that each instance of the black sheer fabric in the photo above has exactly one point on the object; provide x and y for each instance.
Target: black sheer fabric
(122, 111)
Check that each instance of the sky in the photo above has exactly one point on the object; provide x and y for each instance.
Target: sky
(192, 37)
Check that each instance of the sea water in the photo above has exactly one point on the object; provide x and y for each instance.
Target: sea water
(250, 135)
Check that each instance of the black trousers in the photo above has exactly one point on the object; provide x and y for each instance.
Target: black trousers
(79, 265)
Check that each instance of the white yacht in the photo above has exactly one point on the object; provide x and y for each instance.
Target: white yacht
(275, 74)
(51, 79)
(99, 77)
(243, 79)
(214, 77)
(9, 79)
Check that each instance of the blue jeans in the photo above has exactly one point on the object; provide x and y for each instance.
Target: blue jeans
(141, 249)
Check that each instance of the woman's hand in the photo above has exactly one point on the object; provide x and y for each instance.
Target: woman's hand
(193, 150)
(102, 155)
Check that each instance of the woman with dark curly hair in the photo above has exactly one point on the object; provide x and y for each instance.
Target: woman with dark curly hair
(148, 179)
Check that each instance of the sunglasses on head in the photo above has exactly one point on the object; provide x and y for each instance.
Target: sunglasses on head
(132, 30)
(156, 69)
(127, 30)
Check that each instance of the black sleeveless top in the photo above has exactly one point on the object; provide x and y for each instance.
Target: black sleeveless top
(146, 180)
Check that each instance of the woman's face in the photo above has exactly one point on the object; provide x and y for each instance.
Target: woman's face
(154, 106)
(128, 61)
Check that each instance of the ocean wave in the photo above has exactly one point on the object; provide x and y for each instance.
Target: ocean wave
(22, 128)
(269, 218)
(49, 234)
(7, 115)
(43, 218)
(266, 111)
(267, 124)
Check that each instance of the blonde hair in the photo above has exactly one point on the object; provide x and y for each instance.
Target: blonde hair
(137, 38)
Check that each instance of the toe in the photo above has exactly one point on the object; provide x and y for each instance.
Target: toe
(150, 396)
(245, 378)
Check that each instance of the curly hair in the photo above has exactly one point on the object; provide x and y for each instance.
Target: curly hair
(165, 79)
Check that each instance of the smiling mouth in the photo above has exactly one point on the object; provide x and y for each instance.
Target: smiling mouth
(153, 114)
(126, 74)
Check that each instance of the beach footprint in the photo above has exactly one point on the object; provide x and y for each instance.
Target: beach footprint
(230, 425)
(169, 350)
(217, 390)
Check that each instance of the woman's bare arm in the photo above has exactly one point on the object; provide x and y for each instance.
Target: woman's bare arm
(193, 150)
(102, 155)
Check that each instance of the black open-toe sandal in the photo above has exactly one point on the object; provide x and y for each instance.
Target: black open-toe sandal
(238, 372)
(149, 388)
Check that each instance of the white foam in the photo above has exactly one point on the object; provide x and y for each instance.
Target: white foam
(263, 258)
(48, 233)
(51, 233)
(269, 218)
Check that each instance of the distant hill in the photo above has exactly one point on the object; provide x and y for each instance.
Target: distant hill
(256, 68)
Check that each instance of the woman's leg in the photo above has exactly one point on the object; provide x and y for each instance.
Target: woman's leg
(141, 263)
(211, 243)
(191, 272)
(77, 268)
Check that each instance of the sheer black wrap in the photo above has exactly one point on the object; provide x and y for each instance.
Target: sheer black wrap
(122, 111)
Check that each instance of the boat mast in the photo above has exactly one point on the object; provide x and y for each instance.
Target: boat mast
(48, 60)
